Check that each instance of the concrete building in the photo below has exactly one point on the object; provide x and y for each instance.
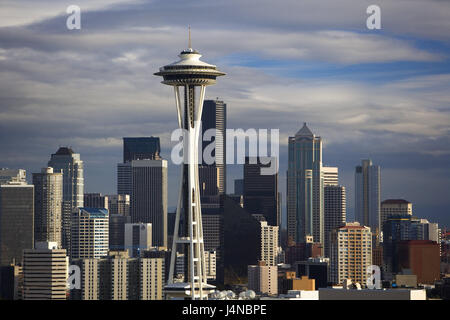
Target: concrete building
(261, 190)
(305, 201)
(12, 175)
(96, 200)
(351, 253)
(149, 197)
(330, 176)
(48, 197)
(90, 233)
(69, 163)
(263, 279)
(269, 243)
(16, 221)
(335, 212)
(367, 195)
(392, 207)
(210, 264)
(138, 237)
(119, 204)
(45, 271)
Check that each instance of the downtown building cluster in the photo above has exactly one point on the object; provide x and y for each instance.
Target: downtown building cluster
(120, 244)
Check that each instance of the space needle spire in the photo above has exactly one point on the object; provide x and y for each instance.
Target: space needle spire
(189, 77)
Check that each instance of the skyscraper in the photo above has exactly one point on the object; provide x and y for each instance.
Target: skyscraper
(269, 243)
(149, 197)
(90, 233)
(367, 195)
(141, 148)
(212, 176)
(16, 221)
(335, 211)
(261, 191)
(66, 161)
(305, 187)
(351, 253)
(48, 195)
(119, 204)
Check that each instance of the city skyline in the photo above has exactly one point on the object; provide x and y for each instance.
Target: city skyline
(363, 102)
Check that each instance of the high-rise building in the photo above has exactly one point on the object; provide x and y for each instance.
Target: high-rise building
(149, 197)
(117, 231)
(124, 179)
(11, 282)
(391, 207)
(141, 148)
(90, 233)
(212, 176)
(335, 211)
(138, 237)
(96, 200)
(263, 279)
(45, 271)
(305, 202)
(330, 176)
(261, 190)
(119, 277)
(269, 243)
(351, 253)
(12, 175)
(48, 195)
(367, 195)
(210, 259)
(16, 221)
(119, 204)
(66, 161)
(314, 268)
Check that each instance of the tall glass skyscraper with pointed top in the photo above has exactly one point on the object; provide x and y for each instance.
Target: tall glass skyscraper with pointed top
(305, 205)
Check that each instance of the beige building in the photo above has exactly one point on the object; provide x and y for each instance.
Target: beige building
(48, 196)
(351, 253)
(210, 264)
(263, 279)
(269, 244)
(119, 277)
(119, 204)
(392, 207)
(45, 272)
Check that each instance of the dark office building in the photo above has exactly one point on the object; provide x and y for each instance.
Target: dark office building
(16, 222)
(117, 231)
(261, 191)
(141, 148)
(314, 269)
(212, 176)
(239, 186)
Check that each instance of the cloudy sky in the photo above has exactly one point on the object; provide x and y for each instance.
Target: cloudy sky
(379, 94)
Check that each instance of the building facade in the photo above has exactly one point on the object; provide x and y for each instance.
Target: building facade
(138, 237)
(351, 253)
(48, 197)
(263, 279)
(305, 202)
(269, 244)
(335, 212)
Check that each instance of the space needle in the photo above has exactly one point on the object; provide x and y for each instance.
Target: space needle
(191, 75)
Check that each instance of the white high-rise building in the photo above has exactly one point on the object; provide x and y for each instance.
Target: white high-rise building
(90, 233)
(12, 175)
(45, 272)
(48, 195)
(351, 253)
(269, 244)
(330, 176)
(210, 264)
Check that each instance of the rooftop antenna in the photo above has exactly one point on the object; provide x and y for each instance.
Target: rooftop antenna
(189, 41)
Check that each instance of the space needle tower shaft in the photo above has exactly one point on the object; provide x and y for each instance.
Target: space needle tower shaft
(189, 77)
